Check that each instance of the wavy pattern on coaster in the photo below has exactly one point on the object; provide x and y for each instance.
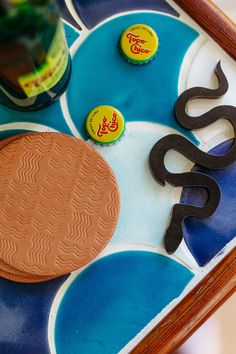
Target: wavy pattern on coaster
(17, 233)
(42, 147)
(9, 248)
(29, 167)
(8, 157)
(55, 213)
(113, 200)
(42, 251)
(6, 271)
(65, 150)
(20, 218)
(11, 202)
(79, 225)
(40, 247)
(174, 233)
(22, 187)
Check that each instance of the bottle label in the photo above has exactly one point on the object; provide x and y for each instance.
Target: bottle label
(50, 73)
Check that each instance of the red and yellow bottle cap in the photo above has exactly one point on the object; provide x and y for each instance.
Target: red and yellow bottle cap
(105, 124)
(139, 44)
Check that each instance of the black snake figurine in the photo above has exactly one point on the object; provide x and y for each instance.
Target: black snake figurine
(174, 233)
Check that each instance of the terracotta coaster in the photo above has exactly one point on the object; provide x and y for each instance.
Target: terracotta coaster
(6, 271)
(18, 276)
(21, 279)
(12, 138)
(59, 204)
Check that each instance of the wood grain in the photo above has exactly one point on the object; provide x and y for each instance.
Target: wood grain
(220, 27)
(193, 311)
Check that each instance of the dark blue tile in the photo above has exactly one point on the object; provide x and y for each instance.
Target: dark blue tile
(206, 238)
(65, 13)
(93, 12)
(24, 310)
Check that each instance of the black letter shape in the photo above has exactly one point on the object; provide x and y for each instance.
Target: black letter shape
(174, 234)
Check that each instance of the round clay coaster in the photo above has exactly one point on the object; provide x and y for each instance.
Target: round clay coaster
(12, 138)
(59, 204)
(6, 271)
(13, 274)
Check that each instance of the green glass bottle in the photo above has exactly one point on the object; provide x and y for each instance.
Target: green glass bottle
(35, 65)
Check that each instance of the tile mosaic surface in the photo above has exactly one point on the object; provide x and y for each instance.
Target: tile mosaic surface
(101, 308)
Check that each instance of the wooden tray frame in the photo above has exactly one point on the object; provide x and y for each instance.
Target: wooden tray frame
(193, 310)
(220, 283)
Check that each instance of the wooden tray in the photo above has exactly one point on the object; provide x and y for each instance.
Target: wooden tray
(215, 278)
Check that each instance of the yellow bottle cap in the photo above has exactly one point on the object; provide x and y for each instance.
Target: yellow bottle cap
(105, 124)
(139, 44)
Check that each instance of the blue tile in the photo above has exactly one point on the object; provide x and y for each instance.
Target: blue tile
(113, 299)
(24, 310)
(142, 93)
(71, 34)
(206, 238)
(65, 13)
(94, 11)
